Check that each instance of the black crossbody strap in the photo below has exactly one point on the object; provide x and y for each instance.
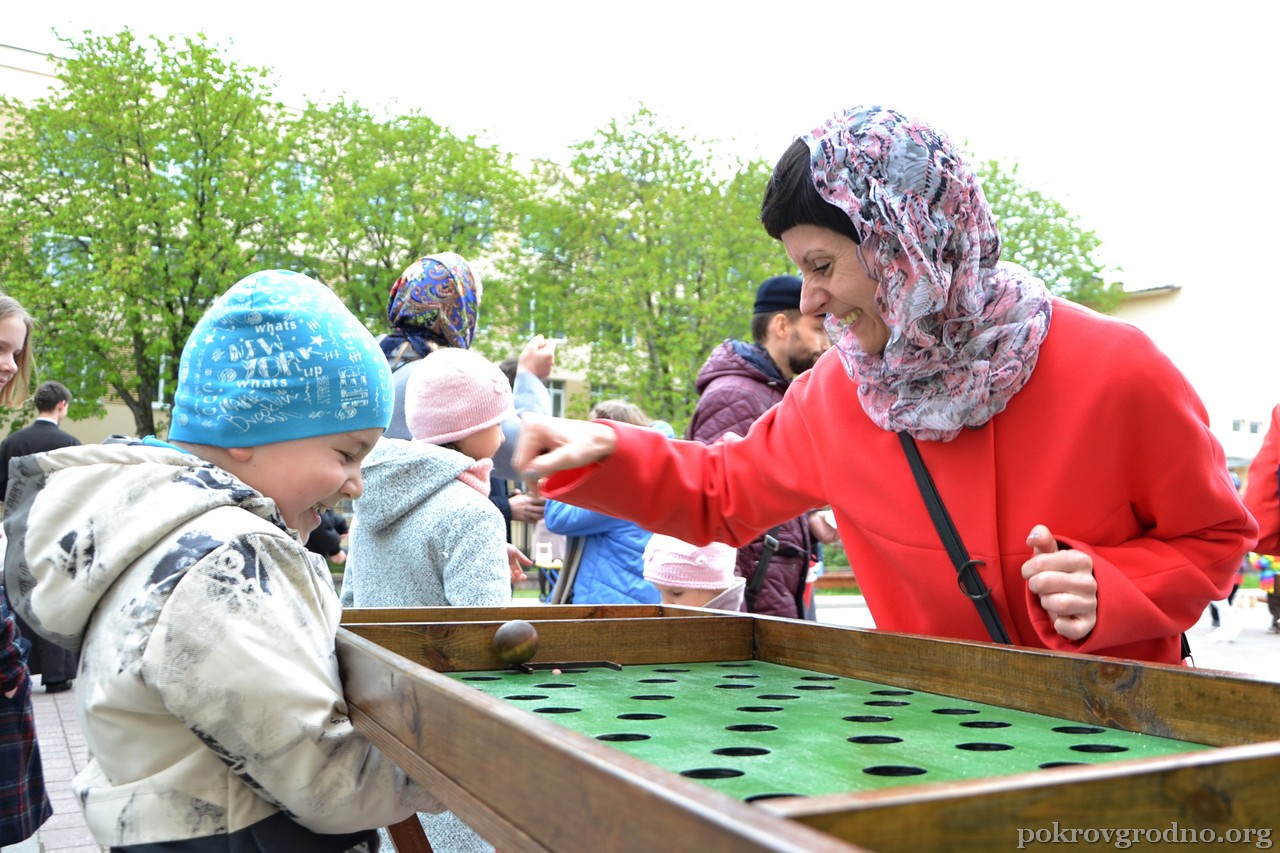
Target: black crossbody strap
(762, 568)
(967, 570)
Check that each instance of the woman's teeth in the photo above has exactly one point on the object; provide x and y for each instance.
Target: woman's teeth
(852, 317)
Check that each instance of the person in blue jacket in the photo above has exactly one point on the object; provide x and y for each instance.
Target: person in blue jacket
(611, 569)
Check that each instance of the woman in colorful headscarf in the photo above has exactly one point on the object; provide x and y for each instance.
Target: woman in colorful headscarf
(1074, 459)
(434, 303)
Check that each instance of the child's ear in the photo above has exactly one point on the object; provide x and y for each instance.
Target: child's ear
(240, 454)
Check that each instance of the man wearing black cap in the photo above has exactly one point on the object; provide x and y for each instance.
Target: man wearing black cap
(740, 382)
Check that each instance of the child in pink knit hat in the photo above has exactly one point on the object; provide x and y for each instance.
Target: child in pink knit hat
(426, 533)
(694, 575)
(459, 402)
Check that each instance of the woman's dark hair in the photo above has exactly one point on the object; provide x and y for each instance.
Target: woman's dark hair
(791, 199)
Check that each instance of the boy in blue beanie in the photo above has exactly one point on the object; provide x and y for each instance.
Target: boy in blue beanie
(208, 688)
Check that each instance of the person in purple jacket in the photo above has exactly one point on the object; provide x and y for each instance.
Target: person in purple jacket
(741, 381)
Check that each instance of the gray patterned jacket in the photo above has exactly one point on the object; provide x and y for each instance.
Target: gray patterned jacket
(208, 688)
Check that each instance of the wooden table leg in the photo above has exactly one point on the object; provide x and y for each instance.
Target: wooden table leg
(408, 836)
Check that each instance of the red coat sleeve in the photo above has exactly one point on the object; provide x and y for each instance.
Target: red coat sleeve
(696, 492)
(1262, 490)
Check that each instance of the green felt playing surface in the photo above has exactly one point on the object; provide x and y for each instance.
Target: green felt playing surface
(753, 729)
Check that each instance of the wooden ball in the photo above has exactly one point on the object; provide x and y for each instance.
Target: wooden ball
(515, 642)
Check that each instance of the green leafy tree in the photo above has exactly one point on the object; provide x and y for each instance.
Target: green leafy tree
(1043, 236)
(152, 179)
(643, 250)
(385, 192)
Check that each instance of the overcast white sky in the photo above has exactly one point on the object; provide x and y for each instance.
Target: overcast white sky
(1131, 113)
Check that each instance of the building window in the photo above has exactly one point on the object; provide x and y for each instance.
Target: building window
(555, 387)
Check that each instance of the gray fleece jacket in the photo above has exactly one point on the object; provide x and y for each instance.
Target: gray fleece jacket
(422, 537)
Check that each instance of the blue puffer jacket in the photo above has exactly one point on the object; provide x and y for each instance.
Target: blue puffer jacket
(612, 566)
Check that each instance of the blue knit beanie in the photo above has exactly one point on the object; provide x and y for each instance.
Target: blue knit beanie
(275, 358)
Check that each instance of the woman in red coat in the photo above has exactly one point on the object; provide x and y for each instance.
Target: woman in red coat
(1074, 459)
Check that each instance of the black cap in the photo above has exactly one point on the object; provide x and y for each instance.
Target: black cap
(780, 293)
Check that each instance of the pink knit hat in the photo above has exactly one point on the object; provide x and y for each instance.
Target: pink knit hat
(674, 562)
(454, 393)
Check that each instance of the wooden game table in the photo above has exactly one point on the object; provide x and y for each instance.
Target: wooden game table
(526, 782)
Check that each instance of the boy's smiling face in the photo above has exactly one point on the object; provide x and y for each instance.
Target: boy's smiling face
(306, 474)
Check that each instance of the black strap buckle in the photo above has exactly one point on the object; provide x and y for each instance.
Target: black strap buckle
(970, 582)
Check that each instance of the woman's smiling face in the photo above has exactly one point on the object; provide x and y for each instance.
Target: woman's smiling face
(836, 284)
(13, 340)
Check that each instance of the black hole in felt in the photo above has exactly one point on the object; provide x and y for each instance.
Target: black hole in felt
(874, 739)
(657, 681)
(652, 697)
(986, 724)
(893, 692)
(886, 703)
(1098, 747)
(553, 685)
(954, 711)
(819, 678)
(894, 770)
(480, 678)
(639, 716)
(711, 773)
(868, 718)
(981, 746)
(1079, 730)
(741, 675)
(814, 687)
(759, 709)
(777, 696)
(751, 727)
(525, 697)
(740, 751)
(571, 671)
(671, 669)
(554, 710)
(734, 665)
(1051, 764)
(622, 737)
(734, 686)
(757, 797)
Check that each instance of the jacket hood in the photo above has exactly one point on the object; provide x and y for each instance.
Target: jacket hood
(739, 358)
(398, 475)
(79, 517)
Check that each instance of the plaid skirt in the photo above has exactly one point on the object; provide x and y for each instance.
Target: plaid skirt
(24, 805)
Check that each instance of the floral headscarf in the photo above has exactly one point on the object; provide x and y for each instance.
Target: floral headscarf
(965, 331)
(434, 303)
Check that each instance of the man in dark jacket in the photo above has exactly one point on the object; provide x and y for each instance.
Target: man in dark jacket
(740, 382)
(55, 665)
